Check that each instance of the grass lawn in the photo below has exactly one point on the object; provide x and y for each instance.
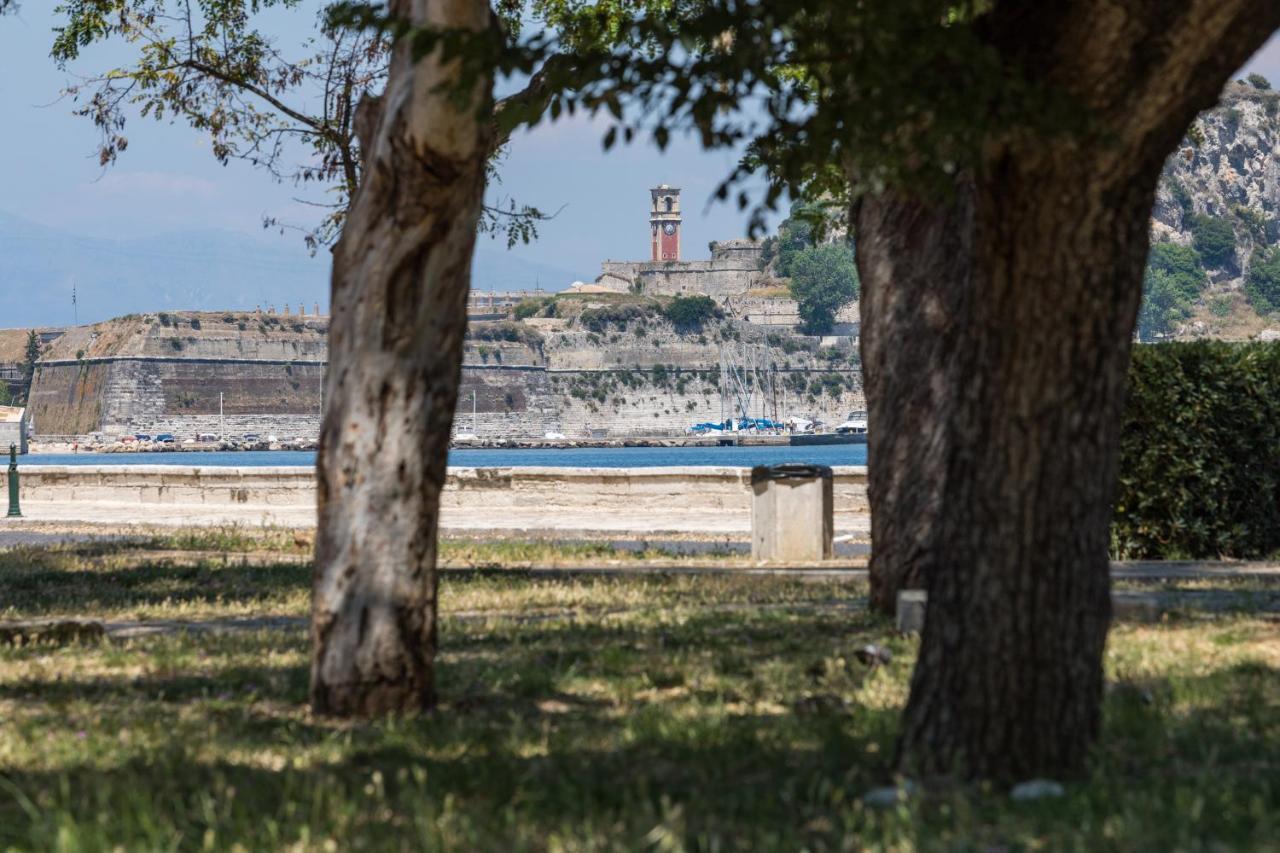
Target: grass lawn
(576, 713)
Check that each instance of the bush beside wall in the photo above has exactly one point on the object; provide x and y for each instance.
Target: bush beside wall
(1200, 453)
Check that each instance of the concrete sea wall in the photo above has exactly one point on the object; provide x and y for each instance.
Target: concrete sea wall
(689, 499)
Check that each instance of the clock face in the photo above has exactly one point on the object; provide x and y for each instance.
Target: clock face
(669, 228)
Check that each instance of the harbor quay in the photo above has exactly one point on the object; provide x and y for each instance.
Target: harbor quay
(694, 502)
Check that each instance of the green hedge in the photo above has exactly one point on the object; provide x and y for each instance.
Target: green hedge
(1200, 453)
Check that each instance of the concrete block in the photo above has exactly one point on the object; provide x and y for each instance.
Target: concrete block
(911, 607)
(791, 513)
(1142, 607)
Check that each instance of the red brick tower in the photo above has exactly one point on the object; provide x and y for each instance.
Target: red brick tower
(664, 222)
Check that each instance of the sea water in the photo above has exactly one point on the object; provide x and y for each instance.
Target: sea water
(572, 457)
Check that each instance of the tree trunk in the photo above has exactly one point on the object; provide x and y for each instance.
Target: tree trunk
(997, 326)
(401, 274)
(912, 292)
(1009, 343)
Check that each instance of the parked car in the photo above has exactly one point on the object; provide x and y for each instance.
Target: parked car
(251, 437)
(165, 438)
(206, 438)
(142, 436)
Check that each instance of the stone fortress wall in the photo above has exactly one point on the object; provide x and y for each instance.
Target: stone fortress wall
(235, 373)
(734, 268)
(648, 379)
(174, 373)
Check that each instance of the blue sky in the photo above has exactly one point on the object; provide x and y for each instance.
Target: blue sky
(167, 180)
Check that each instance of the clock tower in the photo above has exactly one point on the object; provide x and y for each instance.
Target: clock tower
(664, 222)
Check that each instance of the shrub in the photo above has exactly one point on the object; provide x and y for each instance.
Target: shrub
(599, 319)
(1262, 284)
(1220, 305)
(527, 308)
(1200, 452)
(691, 312)
(1182, 196)
(1252, 220)
(504, 331)
(195, 323)
(768, 251)
(165, 319)
(1257, 81)
(1215, 240)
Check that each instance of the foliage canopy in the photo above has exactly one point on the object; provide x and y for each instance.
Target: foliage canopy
(823, 280)
(1173, 281)
(778, 76)
(294, 110)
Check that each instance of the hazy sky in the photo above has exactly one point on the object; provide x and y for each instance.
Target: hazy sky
(167, 180)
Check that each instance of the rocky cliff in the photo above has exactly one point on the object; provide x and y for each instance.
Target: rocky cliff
(1220, 194)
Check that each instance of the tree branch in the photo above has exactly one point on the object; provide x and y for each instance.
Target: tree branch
(1172, 60)
(527, 105)
(302, 118)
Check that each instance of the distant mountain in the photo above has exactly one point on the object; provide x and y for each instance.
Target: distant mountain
(197, 270)
(194, 270)
(495, 268)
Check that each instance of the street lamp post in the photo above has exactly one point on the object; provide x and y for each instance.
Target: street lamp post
(14, 510)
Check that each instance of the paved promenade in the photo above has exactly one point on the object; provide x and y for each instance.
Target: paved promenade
(534, 521)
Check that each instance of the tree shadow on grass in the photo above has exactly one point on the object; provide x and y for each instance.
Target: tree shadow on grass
(494, 779)
(607, 735)
(569, 729)
(41, 587)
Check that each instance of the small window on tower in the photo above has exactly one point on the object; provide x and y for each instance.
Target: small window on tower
(668, 201)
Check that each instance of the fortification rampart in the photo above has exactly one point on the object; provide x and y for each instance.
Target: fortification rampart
(183, 396)
(622, 371)
(719, 278)
(631, 402)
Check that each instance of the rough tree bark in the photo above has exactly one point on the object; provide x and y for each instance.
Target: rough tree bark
(401, 273)
(997, 327)
(913, 292)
